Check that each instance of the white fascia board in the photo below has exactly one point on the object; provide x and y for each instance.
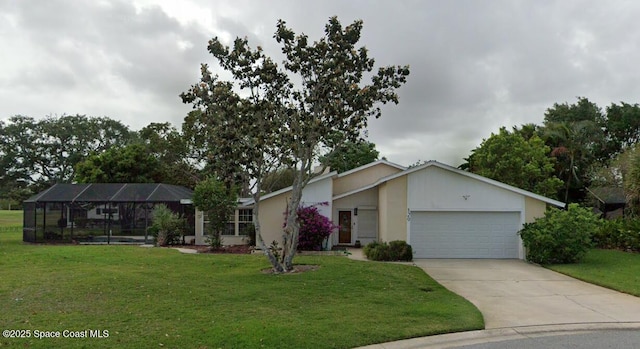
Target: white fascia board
(371, 164)
(287, 189)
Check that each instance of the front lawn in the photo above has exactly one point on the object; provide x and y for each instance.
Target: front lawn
(10, 218)
(155, 298)
(608, 268)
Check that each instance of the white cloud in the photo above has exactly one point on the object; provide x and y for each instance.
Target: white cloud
(475, 66)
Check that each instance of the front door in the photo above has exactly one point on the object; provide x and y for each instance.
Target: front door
(344, 217)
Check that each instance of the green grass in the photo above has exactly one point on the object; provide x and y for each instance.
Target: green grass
(10, 218)
(608, 268)
(152, 297)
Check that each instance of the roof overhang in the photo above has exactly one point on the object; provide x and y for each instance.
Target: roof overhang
(437, 164)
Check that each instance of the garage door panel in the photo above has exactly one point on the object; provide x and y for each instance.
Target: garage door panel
(465, 234)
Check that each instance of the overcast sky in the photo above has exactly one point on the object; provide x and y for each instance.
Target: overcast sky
(475, 65)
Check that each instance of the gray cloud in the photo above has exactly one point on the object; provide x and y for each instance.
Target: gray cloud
(475, 66)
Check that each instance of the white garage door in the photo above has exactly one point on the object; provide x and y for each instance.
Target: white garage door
(465, 234)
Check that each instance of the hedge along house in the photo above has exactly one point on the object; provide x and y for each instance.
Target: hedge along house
(101, 213)
(443, 212)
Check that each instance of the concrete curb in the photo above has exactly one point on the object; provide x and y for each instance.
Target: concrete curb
(453, 340)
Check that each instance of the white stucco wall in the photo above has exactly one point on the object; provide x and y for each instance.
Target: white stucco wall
(433, 189)
(272, 209)
(437, 189)
(319, 192)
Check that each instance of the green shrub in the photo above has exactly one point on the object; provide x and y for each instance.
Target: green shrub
(394, 251)
(607, 235)
(622, 234)
(167, 227)
(378, 252)
(400, 251)
(214, 238)
(560, 236)
(368, 249)
(629, 238)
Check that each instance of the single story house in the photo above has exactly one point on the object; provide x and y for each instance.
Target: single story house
(441, 211)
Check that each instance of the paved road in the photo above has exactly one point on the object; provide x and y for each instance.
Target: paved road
(627, 339)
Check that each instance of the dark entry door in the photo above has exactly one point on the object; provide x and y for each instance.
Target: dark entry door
(344, 217)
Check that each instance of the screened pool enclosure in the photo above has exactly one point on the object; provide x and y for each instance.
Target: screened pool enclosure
(101, 213)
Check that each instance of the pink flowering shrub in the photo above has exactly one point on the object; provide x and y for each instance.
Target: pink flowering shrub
(314, 228)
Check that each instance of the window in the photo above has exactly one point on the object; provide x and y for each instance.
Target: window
(245, 219)
(229, 229)
(236, 227)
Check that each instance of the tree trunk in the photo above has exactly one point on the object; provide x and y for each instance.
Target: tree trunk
(292, 226)
(277, 266)
(570, 177)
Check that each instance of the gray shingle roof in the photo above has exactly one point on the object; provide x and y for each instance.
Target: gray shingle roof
(113, 192)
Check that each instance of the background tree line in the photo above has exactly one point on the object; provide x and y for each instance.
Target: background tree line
(34, 154)
(578, 145)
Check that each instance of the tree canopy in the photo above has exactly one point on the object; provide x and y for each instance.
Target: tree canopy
(169, 147)
(350, 155)
(219, 202)
(586, 144)
(622, 126)
(510, 158)
(47, 150)
(37, 153)
(129, 164)
(315, 100)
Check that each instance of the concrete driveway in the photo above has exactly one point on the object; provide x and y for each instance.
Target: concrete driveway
(513, 293)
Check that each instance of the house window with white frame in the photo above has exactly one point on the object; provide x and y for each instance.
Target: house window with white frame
(230, 228)
(238, 223)
(245, 220)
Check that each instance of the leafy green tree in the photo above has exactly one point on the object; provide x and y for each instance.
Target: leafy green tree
(129, 164)
(166, 144)
(238, 138)
(350, 155)
(510, 158)
(317, 101)
(575, 160)
(622, 126)
(527, 131)
(332, 105)
(46, 151)
(277, 180)
(583, 110)
(576, 136)
(219, 202)
(629, 170)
